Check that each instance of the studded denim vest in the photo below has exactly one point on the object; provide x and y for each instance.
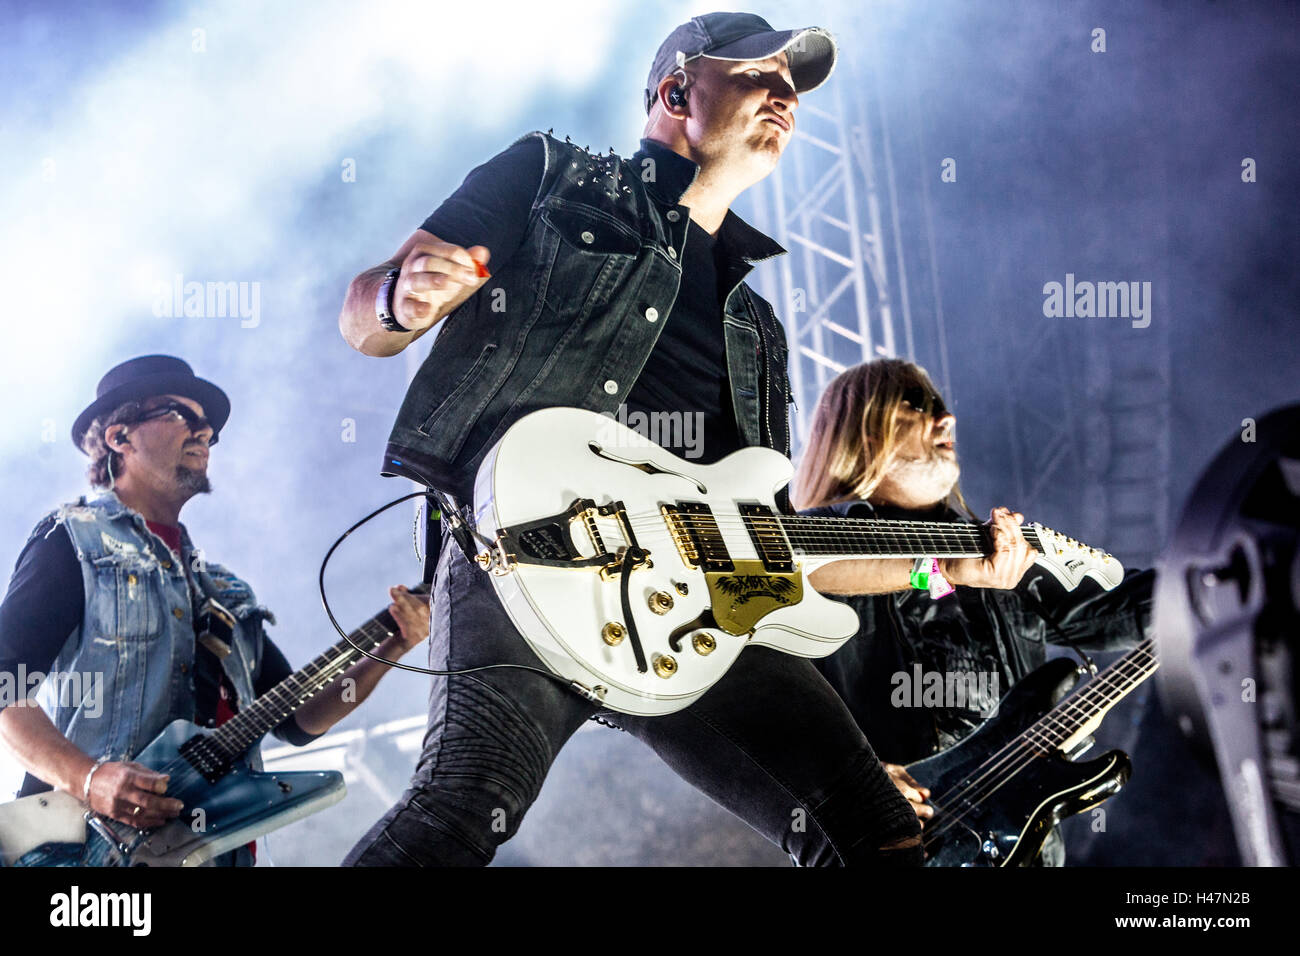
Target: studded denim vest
(130, 665)
(572, 317)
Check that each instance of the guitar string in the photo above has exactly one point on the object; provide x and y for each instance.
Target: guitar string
(808, 526)
(298, 692)
(294, 691)
(810, 522)
(1038, 740)
(824, 537)
(784, 521)
(830, 531)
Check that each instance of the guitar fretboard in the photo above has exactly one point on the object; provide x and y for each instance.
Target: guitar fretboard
(883, 538)
(253, 722)
(1098, 696)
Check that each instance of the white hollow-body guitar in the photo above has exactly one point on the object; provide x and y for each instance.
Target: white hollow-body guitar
(640, 576)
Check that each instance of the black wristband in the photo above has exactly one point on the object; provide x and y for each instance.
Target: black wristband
(384, 303)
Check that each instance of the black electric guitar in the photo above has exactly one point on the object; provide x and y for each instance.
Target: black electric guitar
(998, 793)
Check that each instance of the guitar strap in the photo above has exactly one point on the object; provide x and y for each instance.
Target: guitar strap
(213, 624)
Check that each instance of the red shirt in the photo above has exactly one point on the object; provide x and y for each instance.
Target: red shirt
(171, 535)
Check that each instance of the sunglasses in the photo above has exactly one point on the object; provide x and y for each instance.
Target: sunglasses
(193, 421)
(921, 399)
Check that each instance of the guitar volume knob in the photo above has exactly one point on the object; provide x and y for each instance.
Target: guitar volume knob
(613, 633)
(704, 644)
(665, 665)
(661, 602)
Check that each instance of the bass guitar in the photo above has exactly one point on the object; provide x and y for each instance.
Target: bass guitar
(639, 576)
(227, 802)
(998, 793)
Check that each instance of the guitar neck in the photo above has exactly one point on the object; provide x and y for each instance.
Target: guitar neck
(841, 538)
(253, 722)
(1079, 714)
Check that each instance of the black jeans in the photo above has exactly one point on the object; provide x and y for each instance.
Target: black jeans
(771, 742)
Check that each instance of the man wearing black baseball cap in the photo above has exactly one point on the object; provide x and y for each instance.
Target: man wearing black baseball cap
(617, 285)
(809, 53)
(110, 594)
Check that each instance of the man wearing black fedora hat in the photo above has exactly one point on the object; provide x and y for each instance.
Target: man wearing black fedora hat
(110, 589)
(616, 284)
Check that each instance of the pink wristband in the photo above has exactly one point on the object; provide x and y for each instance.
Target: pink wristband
(939, 586)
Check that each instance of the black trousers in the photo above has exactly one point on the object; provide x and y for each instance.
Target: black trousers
(771, 742)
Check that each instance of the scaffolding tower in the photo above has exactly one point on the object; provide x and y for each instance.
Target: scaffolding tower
(844, 290)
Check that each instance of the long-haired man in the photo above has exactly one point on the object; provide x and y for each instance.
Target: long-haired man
(882, 445)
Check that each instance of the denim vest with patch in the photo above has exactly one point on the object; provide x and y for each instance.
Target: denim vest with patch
(134, 650)
(568, 319)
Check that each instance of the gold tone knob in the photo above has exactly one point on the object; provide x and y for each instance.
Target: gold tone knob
(704, 644)
(665, 666)
(613, 633)
(661, 602)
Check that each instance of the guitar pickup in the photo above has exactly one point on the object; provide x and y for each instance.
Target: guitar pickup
(681, 537)
(1080, 748)
(203, 754)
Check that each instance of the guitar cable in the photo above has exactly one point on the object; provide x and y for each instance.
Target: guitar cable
(465, 672)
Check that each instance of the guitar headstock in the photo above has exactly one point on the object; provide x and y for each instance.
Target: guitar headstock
(1071, 561)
